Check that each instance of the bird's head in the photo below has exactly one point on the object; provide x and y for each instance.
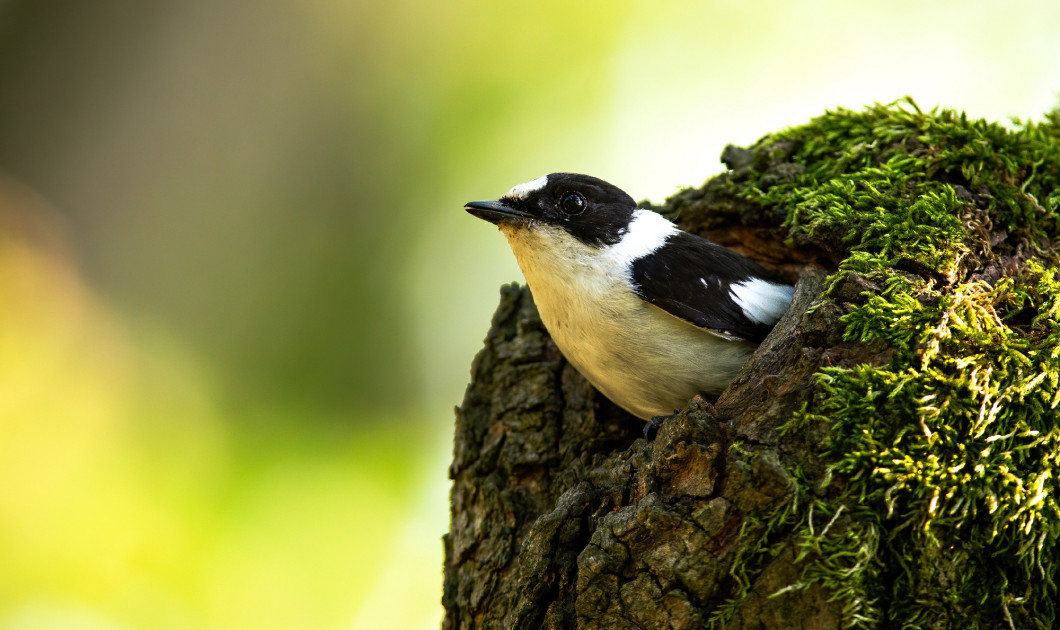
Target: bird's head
(586, 208)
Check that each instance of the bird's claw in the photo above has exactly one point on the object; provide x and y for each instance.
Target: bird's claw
(651, 427)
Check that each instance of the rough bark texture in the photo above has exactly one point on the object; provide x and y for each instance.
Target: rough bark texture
(563, 516)
(887, 458)
(562, 513)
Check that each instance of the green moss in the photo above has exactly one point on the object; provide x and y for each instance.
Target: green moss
(950, 454)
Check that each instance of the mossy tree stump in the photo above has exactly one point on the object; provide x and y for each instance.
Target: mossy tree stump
(889, 456)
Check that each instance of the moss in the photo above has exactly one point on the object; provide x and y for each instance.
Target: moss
(946, 514)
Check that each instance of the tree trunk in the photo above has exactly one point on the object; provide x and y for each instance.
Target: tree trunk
(563, 516)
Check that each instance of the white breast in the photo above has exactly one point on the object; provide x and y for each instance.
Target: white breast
(641, 357)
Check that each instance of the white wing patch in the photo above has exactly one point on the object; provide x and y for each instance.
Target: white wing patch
(760, 300)
(522, 191)
(647, 232)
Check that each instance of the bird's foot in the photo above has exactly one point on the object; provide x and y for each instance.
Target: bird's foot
(651, 427)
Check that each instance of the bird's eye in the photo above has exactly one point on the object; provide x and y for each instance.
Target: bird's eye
(572, 203)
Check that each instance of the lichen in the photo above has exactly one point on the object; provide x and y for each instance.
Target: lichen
(938, 506)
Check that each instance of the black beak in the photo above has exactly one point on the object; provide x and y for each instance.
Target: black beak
(495, 211)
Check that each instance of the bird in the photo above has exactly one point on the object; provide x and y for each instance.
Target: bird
(650, 314)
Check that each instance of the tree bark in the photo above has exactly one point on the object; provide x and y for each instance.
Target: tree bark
(885, 457)
(564, 516)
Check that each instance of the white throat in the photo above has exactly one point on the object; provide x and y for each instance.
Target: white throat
(548, 255)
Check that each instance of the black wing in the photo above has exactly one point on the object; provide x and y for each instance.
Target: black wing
(690, 277)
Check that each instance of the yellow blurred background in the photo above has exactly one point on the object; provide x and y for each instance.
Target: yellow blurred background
(238, 292)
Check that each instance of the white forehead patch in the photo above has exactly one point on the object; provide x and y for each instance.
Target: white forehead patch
(522, 191)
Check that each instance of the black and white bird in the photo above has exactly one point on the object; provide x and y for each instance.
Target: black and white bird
(649, 314)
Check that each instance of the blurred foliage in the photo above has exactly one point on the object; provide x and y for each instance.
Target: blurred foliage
(127, 500)
(236, 435)
(253, 175)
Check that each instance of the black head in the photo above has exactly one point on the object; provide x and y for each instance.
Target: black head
(589, 209)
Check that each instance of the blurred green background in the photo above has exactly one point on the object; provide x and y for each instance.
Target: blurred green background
(238, 292)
